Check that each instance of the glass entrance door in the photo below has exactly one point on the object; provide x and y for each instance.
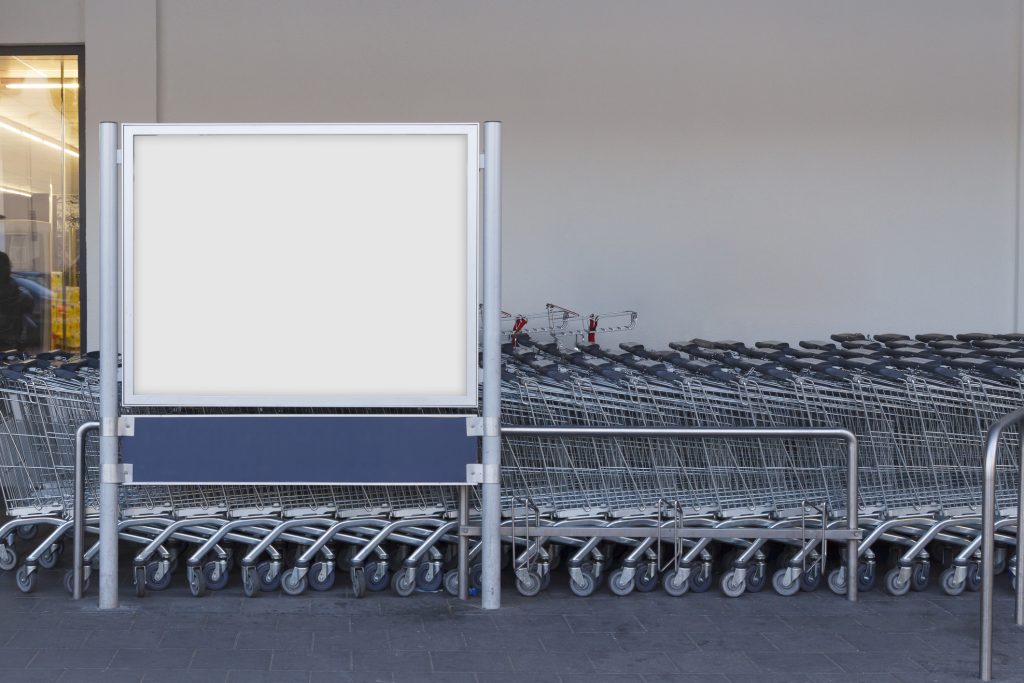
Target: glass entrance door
(40, 208)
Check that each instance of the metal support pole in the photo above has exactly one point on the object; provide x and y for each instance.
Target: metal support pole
(491, 487)
(79, 533)
(852, 520)
(1019, 611)
(463, 543)
(108, 366)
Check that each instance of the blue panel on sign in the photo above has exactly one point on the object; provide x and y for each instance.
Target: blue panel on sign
(390, 449)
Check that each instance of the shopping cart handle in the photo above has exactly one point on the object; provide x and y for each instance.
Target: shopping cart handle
(818, 345)
(888, 338)
(10, 373)
(843, 337)
(932, 337)
(974, 336)
(730, 345)
(862, 345)
(777, 345)
(632, 347)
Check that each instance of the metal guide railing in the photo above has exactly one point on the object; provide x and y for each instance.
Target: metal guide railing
(995, 433)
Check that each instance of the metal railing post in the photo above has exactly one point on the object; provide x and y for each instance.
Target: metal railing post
(79, 508)
(490, 489)
(109, 474)
(988, 536)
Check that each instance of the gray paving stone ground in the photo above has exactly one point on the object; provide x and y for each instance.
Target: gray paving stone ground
(555, 637)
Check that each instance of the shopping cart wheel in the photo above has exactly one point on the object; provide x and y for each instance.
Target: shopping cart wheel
(585, 587)
(646, 578)
(292, 583)
(49, 559)
(974, 577)
(250, 582)
(25, 579)
(196, 582)
(867, 574)
(403, 584)
(429, 577)
(156, 577)
(269, 576)
(836, 581)
(757, 577)
(810, 580)
(321, 576)
(216, 574)
(377, 576)
(731, 587)
(69, 582)
(358, 578)
(530, 586)
(451, 582)
(701, 579)
(618, 586)
(919, 577)
(780, 585)
(999, 566)
(27, 532)
(893, 584)
(8, 557)
(948, 582)
(673, 585)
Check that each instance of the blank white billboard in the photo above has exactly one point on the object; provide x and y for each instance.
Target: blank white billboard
(300, 265)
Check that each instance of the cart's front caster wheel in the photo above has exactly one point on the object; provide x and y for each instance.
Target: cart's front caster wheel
(867, 574)
(377, 576)
(139, 581)
(949, 583)
(49, 559)
(26, 580)
(999, 565)
(451, 582)
(731, 587)
(974, 577)
(618, 585)
(836, 581)
(646, 578)
(8, 557)
(358, 578)
(783, 585)
(529, 586)
(402, 584)
(69, 582)
(674, 585)
(321, 576)
(27, 532)
(919, 577)
(197, 582)
(894, 585)
(585, 586)
(292, 583)
(757, 577)
(429, 577)
(250, 582)
(157, 579)
(701, 580)
(811, 579)
(216, 574)
(269, 576)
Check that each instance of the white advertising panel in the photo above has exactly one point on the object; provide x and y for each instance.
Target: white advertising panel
(300, 265)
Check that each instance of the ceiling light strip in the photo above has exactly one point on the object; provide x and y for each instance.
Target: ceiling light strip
(35, 138)
(11, 190)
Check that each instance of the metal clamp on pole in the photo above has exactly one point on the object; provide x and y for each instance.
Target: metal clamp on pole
(988, 531)
(79, 508)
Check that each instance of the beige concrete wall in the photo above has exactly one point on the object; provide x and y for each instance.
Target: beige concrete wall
(729, 168)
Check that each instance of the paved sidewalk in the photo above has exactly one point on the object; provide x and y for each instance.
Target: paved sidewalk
(555, 637)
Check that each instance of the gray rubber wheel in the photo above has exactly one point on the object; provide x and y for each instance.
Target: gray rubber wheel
(732, 588)
(780, 586)
(618, 586)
